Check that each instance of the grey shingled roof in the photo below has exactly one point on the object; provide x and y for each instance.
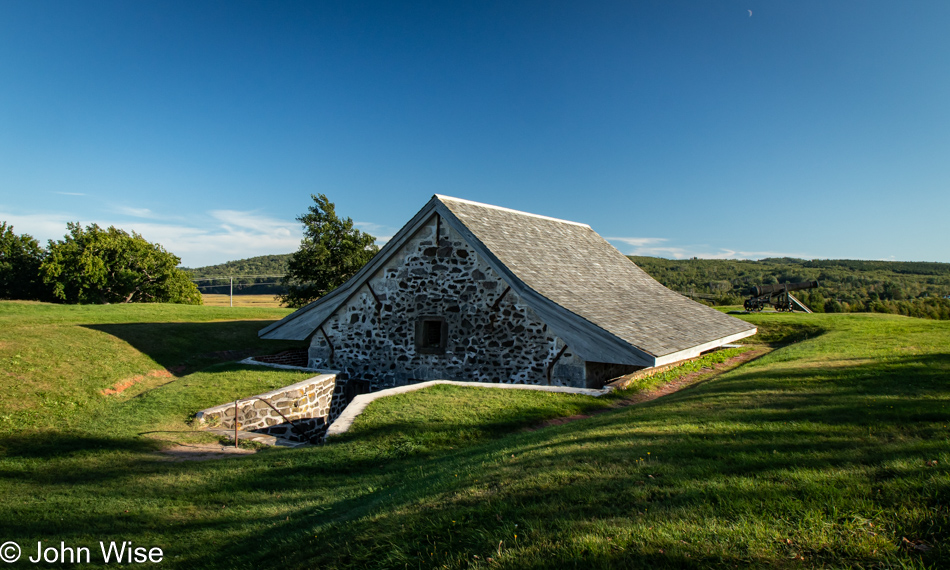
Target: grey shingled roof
(574, 267)
(599, 302)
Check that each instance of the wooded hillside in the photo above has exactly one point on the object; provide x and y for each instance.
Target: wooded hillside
(916, 289)
(253, 276)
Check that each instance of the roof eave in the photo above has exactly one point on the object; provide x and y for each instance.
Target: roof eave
(698, 349)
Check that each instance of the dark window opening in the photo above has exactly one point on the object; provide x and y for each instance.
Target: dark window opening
(431, 335)
(354, 388)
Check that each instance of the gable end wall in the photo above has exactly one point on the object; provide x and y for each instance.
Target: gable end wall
(449, 280)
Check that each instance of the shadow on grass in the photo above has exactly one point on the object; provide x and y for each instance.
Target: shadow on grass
(185, 347)
(593, 493)
(778, 333)
(901, 390)
(754, 469)
(51, 444)
(588, 493)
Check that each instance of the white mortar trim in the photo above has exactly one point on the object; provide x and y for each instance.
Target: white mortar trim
(266, 395)
(250, 360)
(493, 207)
(359, 403)
(696, 350)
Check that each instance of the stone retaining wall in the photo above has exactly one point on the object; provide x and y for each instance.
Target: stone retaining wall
(311, 405)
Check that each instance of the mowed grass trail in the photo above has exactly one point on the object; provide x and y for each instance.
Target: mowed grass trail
(830, 452)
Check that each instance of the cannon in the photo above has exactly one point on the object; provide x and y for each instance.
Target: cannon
(778, 296)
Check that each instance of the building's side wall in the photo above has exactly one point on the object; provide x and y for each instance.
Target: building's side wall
(486, 343)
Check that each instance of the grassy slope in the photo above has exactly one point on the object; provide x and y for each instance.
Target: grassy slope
(55, 359)
(798, 453)
(817, 450)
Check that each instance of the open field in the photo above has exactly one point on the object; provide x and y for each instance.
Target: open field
(257, 301)
(833, 451)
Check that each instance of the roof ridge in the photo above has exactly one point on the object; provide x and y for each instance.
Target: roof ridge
(493, 207)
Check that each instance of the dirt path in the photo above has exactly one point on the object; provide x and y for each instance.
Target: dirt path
(124, 385)
(203, 452)
(668, 388)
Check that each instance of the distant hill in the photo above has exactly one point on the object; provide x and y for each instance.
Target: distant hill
(911, 288)
(255, 275)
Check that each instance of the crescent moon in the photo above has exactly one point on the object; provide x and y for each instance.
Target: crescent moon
(750, 13)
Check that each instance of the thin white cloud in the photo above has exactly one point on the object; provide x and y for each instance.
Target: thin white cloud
(382, 233)
(226, 235)
(43, 227)
(762, 254)
(658, 247)
(637, 241)
(135, 212)
(370, 227)
(208, 246)
(219, 236)
(252, 221)
(69, 193)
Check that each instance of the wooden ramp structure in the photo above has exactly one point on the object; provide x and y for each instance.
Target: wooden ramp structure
(798, 305)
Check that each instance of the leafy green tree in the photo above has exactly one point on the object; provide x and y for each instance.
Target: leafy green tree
(331, 252)
(832, 306)
(94, 265)
(20, 260)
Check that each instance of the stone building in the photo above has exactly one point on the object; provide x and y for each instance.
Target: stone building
(473, 292)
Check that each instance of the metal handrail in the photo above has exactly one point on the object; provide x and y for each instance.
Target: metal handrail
(293, 426)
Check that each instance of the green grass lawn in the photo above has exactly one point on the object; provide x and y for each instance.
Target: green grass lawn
(833, 451)
(56, 359)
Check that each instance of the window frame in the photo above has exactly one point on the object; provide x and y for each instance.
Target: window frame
(422, 327)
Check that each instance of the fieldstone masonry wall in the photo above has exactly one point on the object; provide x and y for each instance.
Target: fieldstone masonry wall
(492, 335)
(315, 402)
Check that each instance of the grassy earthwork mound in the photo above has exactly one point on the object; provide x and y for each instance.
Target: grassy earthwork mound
(829, 451)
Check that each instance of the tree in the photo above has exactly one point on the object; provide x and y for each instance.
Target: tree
(93, 265)
(331, 252)
(20, 260)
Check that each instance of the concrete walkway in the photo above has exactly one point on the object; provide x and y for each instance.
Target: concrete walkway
(359, 403)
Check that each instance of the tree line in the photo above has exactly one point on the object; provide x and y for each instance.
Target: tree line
(95, 265)
(916, 289)
(91, 265)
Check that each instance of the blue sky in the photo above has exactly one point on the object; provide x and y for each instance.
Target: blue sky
(674, 128)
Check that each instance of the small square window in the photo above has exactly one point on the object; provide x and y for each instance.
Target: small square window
(431, 335)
